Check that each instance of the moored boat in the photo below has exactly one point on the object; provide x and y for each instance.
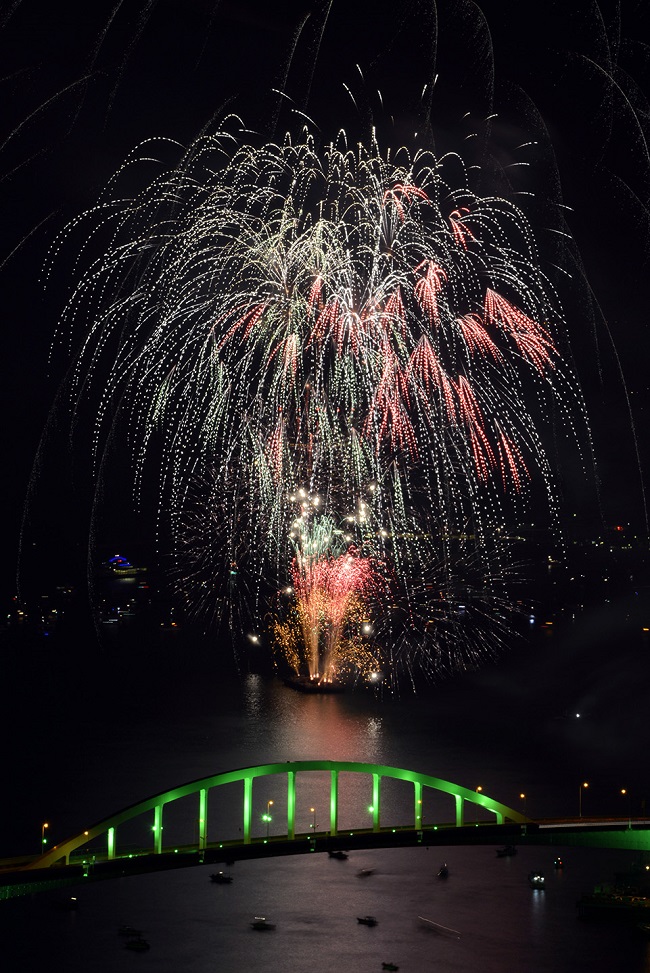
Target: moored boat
(221, 878)
(261, 924)
(614, 901)
(506, 852)
(367, 920)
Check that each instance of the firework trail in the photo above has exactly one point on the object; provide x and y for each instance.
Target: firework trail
(343, 322)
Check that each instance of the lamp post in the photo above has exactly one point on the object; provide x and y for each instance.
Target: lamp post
(43, 838)
(582, 787)
(522, 797)
(267, 817)
(313, 811)
(629, 806)
(478, 791)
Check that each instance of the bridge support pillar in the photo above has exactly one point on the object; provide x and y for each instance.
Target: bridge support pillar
(157, 829)
(291, 804)
(334, 802)
(110, 851)
(203, 819)
(417, 794)
(459, 810)
(248, 808)
(376, 797)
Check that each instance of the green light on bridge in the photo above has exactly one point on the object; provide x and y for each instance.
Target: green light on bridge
(249, 775)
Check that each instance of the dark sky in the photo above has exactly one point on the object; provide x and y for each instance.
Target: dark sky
(83, 84)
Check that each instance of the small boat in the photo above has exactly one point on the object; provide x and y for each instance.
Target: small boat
(367, 920)
(436, 927)
(221, 878)
(340, 855)
(66, 905)
(365, 872)
(506, 852)
(129, 931)
(443, 871)
(389, 966)
(303, 684)
(536, 880)
(138, 945)
(261, 924)
(558, 863)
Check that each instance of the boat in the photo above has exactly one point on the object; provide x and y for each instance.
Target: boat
(303, 684)
(365, 872)
(367, 920)
(221, 878)
(506, 852)
(443, 871)
(615, 902)
(261, 924)
(436, 927)
(558, 863)
(340, 855)
(536, 880)
(66, 905)
(389, 966)
(138, 945)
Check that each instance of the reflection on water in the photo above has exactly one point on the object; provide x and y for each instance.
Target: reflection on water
(299, 726)
(196, 926)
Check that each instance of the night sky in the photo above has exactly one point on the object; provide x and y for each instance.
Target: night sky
(83, 85)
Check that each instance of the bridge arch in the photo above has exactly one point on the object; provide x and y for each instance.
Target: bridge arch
(248, 775)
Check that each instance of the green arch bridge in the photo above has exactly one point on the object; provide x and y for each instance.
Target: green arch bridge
(65, 864)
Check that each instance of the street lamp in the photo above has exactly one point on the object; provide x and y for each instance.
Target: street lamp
(267, 817)
(583, 786)
(478, 791)
(313, 811)
(522, 797)
(43, 838)
(629, 806)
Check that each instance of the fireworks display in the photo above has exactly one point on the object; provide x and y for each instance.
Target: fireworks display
(353, 351)
(332, 587)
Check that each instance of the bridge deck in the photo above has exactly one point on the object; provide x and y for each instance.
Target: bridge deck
(596, 833)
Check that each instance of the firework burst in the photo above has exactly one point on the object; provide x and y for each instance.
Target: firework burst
(343, 322)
